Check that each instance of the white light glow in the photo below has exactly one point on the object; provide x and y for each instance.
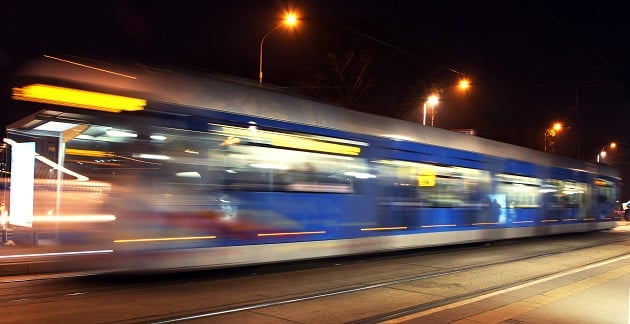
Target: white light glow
(151, 156)
(359, 175)
(158, 137)
(270, 166)
(120, 133)
(190, 174)
(74, 218)
(22, 183)
(54, 126)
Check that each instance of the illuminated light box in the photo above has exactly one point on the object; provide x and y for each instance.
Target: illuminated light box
(78, 98)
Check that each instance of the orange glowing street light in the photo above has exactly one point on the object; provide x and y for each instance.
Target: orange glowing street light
(550, 137)
(464, 84)
(602, 152)
(290, 20)
(432, 100)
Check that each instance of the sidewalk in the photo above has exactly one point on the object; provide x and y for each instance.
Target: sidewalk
(594, 293)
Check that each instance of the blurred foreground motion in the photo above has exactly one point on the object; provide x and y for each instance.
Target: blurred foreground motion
(170, 170)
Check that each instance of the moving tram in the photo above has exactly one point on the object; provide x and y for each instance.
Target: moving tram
(174, 170)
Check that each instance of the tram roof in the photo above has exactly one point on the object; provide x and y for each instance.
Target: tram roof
(219, 93)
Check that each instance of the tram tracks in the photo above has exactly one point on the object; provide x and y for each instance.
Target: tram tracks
(355, 289)
(285, 307)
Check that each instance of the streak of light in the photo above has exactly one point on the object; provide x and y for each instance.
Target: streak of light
(384, 228)
(75, 218)
(34, 255)
(162, 239)
(290, 233)
(89, 67)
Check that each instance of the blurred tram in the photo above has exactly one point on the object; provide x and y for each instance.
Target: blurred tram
(198, 171)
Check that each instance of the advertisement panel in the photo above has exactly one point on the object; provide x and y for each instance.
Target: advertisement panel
(22, 184)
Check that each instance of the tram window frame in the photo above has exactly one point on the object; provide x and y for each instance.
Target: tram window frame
(403, 181)
(567, 194)
(247, 158)
(609, 188)
(520, 191)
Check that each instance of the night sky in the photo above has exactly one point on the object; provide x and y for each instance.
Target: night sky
(531, 63)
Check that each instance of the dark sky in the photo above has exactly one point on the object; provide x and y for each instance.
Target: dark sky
(530, 62)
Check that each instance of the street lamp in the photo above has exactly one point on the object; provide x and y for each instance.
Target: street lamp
(290, 20)
(602, 151)
(432, 100)
(550, 137)
(464, 84)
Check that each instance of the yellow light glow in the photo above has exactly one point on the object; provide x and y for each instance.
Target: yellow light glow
(549, 220)
(426, 177)
(289, 233)
(162, 239)
(464, 84)
(290, 19)
(433, 100)
(557, 126)
(91, 153)
(230, 141)
(292, 141)
(78, 98)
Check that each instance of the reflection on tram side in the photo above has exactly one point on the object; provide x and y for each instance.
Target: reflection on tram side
(207, 172)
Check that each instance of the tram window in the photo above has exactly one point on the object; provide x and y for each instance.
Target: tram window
(568, 194)
(519, 191)
(271, 169)
(606, 191)
(225, 157)
(431, 185)
(272, 161)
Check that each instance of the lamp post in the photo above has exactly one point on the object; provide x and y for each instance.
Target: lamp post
(550, 137)
(602, 152)
(290, 20)
(434, 99)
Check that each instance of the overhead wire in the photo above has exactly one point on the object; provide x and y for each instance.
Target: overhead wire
(576, 40)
